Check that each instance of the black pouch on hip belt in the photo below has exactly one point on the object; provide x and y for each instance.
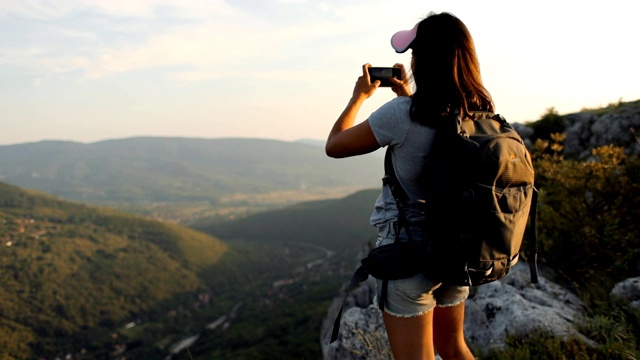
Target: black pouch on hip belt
(398, 260)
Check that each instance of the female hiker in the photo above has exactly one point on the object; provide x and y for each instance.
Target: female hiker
(422, 316)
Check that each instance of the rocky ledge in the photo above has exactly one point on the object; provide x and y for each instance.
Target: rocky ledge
(511, 306)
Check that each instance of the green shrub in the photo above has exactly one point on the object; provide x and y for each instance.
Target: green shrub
(588, 213)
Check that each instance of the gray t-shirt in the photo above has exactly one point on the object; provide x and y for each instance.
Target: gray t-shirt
(410, 143)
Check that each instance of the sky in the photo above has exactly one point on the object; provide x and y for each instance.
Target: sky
(92, 70)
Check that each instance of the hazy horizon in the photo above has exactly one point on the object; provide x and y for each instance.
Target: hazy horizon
(303, 140)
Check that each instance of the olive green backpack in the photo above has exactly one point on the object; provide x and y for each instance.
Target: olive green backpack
(480, 200)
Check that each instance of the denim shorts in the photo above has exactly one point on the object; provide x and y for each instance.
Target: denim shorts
(416, 295)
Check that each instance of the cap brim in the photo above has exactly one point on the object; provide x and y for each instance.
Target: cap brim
(401, 41)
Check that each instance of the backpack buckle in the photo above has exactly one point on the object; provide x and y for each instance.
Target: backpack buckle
(386, 180)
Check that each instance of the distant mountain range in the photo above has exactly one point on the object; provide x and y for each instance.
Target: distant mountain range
(313, 142)
(148, 169)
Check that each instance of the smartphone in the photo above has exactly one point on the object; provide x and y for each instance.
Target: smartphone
(383, 74)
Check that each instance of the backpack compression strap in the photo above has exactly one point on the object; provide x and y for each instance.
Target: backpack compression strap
(532, 238)
(359, 276)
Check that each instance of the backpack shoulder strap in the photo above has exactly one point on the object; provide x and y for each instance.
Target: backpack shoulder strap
(391, 180)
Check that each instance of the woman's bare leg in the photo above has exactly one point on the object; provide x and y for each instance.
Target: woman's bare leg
(448, 333)
(411, 338)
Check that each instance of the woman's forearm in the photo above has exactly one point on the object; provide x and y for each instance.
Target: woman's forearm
(347, 139)
(348, 116)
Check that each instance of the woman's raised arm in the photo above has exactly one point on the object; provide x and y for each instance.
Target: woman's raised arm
(345, 139)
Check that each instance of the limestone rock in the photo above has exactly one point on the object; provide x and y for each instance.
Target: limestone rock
(510, 306)
(362, 336)
(628, 290)
(587, 130)
(514, 306)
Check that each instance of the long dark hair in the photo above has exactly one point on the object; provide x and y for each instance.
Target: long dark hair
(446, 71)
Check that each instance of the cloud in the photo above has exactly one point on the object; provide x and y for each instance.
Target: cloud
(196, 41)
(34, 9)
(37, 9)
(139, 35)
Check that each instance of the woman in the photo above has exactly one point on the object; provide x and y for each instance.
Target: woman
(421, 315)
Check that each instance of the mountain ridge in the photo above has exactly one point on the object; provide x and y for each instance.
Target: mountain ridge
(140, 170)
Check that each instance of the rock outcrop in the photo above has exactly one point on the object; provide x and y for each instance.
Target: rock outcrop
(362, 333)
(586, 130)
(511, 306)
(514, 306)
(628, 291)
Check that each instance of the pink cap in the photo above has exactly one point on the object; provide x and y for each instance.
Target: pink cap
(401, 40)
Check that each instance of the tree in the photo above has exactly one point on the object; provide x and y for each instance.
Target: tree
(550, 123)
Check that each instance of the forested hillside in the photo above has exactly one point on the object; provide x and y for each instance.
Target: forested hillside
(325, 223)
(70, 272)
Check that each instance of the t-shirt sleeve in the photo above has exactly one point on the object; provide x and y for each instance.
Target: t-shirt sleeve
(386, 122)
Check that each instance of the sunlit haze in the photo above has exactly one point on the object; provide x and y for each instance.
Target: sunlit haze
(90, 70)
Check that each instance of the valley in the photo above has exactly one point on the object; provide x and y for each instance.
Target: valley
(230, 206)
(93, 282)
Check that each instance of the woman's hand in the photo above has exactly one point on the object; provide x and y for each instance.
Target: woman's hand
(364, 88)
(401, 86)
